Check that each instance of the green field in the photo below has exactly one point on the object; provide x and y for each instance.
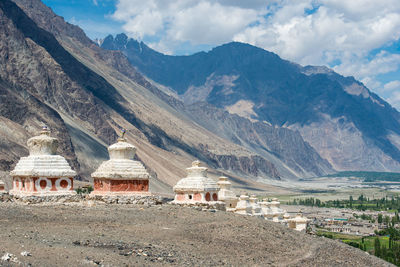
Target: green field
(385, 246)
(345, 238)
(342, 194)
(369, 176)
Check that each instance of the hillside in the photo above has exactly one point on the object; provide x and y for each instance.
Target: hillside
(162, 236)
(351, 127)
(51, 73)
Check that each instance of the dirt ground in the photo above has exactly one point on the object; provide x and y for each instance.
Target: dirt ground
(162, 235)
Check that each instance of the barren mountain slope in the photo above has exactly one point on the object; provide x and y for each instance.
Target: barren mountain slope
(347, 124)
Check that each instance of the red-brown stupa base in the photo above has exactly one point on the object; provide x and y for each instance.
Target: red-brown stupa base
(43, 185)
(190, 197)
(106, 186)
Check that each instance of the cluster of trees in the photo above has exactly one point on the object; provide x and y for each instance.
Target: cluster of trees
(380, 246)
(361, 203)
(390, 253)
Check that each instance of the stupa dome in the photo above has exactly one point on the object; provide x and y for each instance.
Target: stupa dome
(42, 161)
(196, 180)
(121, 164)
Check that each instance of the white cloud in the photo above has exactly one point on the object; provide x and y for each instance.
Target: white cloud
(391, 90)
(394, 99)
(392, 86)
(196, 22)
(337, 33)
(381, 63)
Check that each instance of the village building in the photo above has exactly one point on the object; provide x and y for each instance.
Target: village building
(225, 194)
(196, 187)
(121, 175)
(243, 206)
(339, 229)
(298, 223)
(42, 173)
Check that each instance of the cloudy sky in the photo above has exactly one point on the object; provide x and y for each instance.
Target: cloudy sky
(359, 38)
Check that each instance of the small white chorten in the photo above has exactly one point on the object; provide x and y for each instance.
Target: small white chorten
(196, 187)
(277, 212)
(43, 172)
(255, 207)
(286, 217)
(121, 175)
(266, 210)
(298, 223)
(243, 206)
(225, 194)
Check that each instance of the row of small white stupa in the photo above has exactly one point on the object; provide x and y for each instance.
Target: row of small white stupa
(197, 188)
(43, 173)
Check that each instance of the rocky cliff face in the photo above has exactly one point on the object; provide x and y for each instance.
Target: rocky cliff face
(51, 73)
(276, 144)
(347, 124)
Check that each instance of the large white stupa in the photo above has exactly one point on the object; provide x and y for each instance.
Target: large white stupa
(121, 175)
(43, 172)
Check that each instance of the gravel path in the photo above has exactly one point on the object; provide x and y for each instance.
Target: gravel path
(128, 235)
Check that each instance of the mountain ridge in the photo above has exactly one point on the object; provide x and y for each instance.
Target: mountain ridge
(249, 80)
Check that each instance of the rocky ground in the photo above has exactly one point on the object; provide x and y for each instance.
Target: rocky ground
(158, 235)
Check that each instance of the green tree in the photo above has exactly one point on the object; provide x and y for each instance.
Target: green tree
(380, 218)
(377, 247)
(386, 220)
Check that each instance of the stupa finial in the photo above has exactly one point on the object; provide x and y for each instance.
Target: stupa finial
(196, 163)
(121, 137)
(45, 130)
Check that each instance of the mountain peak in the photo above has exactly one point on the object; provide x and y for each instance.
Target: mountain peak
(238, 75)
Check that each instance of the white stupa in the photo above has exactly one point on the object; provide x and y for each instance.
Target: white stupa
(225, 194)
(243, 206)
(277, 212)
(255, 207)
(196, 187)
(266, 209)
(42, 172)
(298, 223)
(121, 175)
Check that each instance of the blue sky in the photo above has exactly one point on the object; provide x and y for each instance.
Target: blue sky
(357, 38)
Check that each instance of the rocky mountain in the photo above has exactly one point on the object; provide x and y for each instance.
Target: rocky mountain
(51, 73)
(351, 127)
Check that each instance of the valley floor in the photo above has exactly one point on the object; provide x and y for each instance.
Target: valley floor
(163, 235)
